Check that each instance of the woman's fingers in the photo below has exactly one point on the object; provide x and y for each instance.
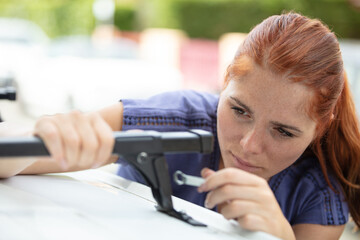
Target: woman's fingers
(229, 176)
(232, 184)
(46, 128)
(89, 143)
(231, 192)
(70, 137)
(238, 208)
(206, 172)
(233, 176)
(105, 138)
(76, 140)
(253, 222)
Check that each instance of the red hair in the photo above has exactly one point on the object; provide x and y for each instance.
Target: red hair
(306, 51)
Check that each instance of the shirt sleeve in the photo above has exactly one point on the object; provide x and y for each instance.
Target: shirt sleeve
(322, 205)
(171, 111)
(305, 197)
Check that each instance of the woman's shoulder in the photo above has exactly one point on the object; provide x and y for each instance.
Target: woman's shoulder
(177, 110)
(182, 100)
(305, 196)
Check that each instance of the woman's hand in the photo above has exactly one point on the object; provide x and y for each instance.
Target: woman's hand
(76, 140)
(246, 198)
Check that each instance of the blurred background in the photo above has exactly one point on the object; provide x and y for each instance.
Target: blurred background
(85, 54)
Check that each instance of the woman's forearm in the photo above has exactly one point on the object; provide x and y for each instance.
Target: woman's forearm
(111, 116)
(12, 166)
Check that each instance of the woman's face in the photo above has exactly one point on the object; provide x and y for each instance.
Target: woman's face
(262, 123)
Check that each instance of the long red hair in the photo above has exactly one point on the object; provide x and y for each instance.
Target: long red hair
(306, 51)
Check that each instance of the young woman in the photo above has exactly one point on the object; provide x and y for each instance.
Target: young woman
(286, 157)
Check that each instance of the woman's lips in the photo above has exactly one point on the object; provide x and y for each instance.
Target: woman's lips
(240, 163)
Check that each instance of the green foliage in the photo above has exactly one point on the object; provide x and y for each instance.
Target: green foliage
(56, 17)
(210, 19)
(343, 19)
(198, 18)
(125, 18)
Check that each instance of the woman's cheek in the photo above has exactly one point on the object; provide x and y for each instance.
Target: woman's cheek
(284, 156)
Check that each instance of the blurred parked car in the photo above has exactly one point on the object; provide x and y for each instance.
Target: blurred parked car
(20, 41)
(64, 83)
(77, 72)
(74, 71)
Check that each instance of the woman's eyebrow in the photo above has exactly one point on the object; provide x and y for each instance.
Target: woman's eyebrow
(278, 124)
(242, 104)
(287, 126)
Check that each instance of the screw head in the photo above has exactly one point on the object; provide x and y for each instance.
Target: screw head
(142, 157)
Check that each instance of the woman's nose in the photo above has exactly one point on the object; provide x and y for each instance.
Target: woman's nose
(253, 141)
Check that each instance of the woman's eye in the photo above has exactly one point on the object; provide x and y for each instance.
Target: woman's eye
(239, 111)
(284, 132)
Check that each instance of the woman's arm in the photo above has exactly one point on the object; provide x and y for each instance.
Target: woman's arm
(12, 166)
(317, 232)
(76, 141)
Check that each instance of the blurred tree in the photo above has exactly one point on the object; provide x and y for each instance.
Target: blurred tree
(210, 19)
(198, 18)
(56, 17)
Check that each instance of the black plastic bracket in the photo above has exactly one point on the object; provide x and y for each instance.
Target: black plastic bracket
(8, 93)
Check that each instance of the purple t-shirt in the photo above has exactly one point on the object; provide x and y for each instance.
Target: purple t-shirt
(301, 189)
